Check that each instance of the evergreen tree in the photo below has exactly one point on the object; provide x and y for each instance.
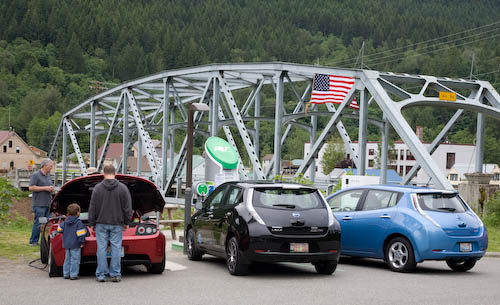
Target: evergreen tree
(73, 60)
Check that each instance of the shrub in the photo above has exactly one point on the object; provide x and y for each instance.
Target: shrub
(493, 211)
(7, 194)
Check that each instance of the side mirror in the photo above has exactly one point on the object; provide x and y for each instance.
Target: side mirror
(198, 205)
(43, 220)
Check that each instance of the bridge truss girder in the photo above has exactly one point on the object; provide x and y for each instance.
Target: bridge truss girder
(156, 104)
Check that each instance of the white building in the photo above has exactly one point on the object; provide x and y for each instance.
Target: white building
(401, 159)
(456, 173)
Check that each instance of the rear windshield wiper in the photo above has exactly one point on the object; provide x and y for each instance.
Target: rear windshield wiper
(448, 209)
(289, 206)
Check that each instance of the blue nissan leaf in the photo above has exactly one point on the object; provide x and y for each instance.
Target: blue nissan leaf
(406, 225)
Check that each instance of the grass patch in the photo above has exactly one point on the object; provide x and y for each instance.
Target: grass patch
(14, 238)
(493, 238)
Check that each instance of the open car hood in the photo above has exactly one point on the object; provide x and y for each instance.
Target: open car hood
(145, 196)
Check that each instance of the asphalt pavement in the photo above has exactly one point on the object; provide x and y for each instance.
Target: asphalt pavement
(356, 281)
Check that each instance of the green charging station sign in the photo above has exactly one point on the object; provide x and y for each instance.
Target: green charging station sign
(204, 188)
(222, 152)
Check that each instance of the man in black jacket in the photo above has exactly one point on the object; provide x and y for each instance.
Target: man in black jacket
(110, 211)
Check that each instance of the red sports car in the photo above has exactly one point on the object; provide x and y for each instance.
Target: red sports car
(143, 243)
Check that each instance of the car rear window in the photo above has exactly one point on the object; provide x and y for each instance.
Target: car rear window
(280, 198)
(442, 202)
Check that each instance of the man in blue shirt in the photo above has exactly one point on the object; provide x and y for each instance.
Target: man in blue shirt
(41, 186)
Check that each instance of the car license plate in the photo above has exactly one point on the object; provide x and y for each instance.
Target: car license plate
(465, 247)
(299, 247)
(108, 252)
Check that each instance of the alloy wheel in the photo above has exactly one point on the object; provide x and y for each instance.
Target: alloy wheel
(190, 242)
(398, 254)
(232, 253)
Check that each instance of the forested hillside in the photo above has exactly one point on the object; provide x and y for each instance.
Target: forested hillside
(52, 52)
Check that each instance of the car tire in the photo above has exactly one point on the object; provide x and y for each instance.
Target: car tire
(44, 251)
(158, 268)
(461, 265)
(399, 255)
(234, 260)
(193, 253)
(326, 267)
(54, 270)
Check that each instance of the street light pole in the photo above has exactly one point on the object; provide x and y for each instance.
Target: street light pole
(189, 166)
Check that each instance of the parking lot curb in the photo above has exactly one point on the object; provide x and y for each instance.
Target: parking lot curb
(492, 254)
(177, 246)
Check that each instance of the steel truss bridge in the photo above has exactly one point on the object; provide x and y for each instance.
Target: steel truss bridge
(154, 104)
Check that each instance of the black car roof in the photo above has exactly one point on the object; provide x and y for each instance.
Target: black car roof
(264, 183)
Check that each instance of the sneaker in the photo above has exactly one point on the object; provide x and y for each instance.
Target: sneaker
(116, 279)
(34, 244)
(100, 280)
(66, 277)
(74, 278)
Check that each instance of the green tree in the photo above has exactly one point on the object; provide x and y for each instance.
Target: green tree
(73, 60)
(334, 154)
(41, 103)
(41, 131)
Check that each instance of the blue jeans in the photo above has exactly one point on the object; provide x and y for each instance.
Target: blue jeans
(35, 232)
(71, 266)
(113, 234)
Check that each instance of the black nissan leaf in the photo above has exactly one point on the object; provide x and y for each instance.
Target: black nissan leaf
(247, 222)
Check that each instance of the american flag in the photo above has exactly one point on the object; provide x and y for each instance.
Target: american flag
(332, 89)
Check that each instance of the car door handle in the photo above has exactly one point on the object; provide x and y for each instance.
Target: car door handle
(385, 216)
(347, 218)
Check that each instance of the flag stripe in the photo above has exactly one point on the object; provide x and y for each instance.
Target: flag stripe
(332, 89)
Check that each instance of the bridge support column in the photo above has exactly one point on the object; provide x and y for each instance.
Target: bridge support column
(64, 153)
(93, 138)
(478, 168)
(277, 125)
(384, 153)
(125, 135)
(363, 123)
(256, 137)
(165, 145)
(312, 139)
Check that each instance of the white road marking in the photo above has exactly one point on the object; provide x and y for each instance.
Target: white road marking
(174, 266)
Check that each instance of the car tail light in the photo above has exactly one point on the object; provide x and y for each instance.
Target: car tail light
(250, 208)
(332, 251)
(145, 229)
(329, 211)
(414, 201)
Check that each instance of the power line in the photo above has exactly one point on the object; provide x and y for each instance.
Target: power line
(434, 39)
(419, 43)
(485, 73)
(442, 49)
(440, 43)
